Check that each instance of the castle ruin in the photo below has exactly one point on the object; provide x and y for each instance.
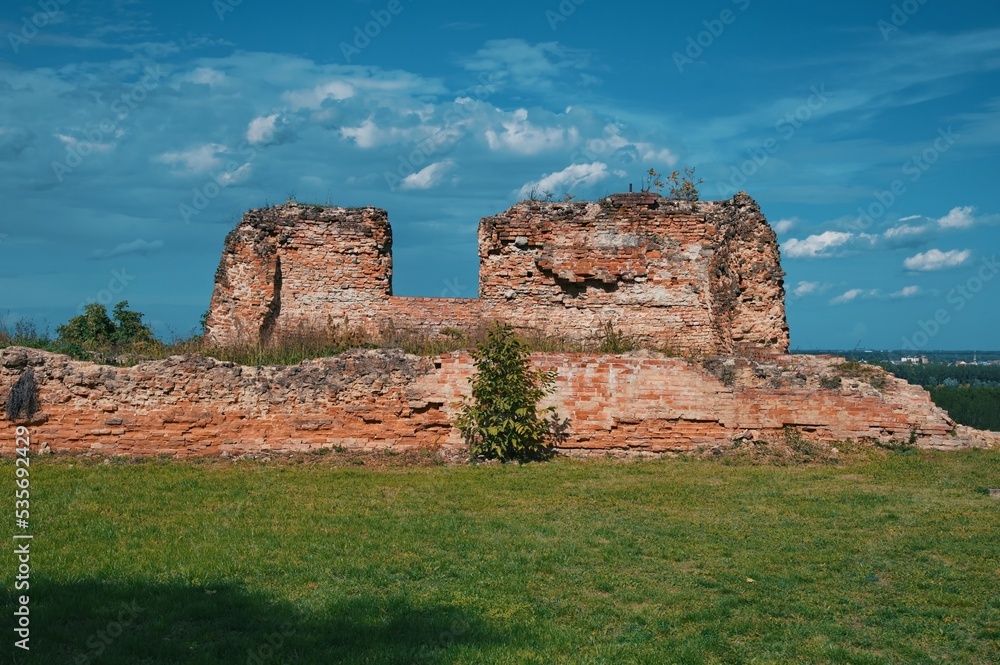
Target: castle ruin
(702, 277)
(698, 277)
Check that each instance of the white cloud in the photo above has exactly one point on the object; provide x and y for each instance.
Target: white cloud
(365, 135)
(614, 140)
(935, 259)
(528, 65)
(135, 247)
(313, 98)
(815, 245)
(522, 137)
(74, 144)
(651, 154)
(202, 159)
(907, 292)
(784, 225)
(904, 230)
(235, 176)
(206, 76)
(564, 181)
(958, 218)
(852, 295)
(262, 130)
(427, 177)
(370, 134)
(805, 288)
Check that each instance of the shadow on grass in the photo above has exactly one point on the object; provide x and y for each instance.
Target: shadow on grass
(97, 622)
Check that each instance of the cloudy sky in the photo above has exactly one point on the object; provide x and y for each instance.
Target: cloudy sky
(134, 134)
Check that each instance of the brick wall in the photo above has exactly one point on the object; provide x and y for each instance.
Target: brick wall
(700, 277)
(292, 266)
(366, 400)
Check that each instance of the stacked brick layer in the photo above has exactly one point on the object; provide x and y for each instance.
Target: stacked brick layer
(366, 400)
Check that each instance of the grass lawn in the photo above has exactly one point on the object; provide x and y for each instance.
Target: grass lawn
(894, 558)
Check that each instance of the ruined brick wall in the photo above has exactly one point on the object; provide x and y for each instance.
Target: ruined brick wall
(699, 277)
(747, 282)
(702, 277)
(369, 400)
(295, 265)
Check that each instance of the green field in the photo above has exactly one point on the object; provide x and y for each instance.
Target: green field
(891, 558)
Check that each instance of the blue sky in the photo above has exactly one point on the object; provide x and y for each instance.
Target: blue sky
(134, 134)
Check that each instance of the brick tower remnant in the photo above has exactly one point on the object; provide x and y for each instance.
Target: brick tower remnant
(701, 277)
(294, 265)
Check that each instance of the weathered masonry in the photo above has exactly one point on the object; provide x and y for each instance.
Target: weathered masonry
(190, 406)
(702, 277)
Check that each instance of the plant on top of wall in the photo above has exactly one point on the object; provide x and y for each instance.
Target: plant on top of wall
(684, 187)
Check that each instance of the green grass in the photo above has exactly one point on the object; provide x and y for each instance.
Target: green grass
(890, 559)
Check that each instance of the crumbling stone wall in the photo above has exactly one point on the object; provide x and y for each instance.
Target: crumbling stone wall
(294, 265)
(702, 277)
(376, 399)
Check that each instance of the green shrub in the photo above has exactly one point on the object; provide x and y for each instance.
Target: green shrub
(94, 335)
(92, 329)
(501, 420)
(130, 330)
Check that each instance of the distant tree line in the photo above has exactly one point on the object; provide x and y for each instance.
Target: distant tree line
(976, 407)
(93, 335)
(969, 393)
(934, 375)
